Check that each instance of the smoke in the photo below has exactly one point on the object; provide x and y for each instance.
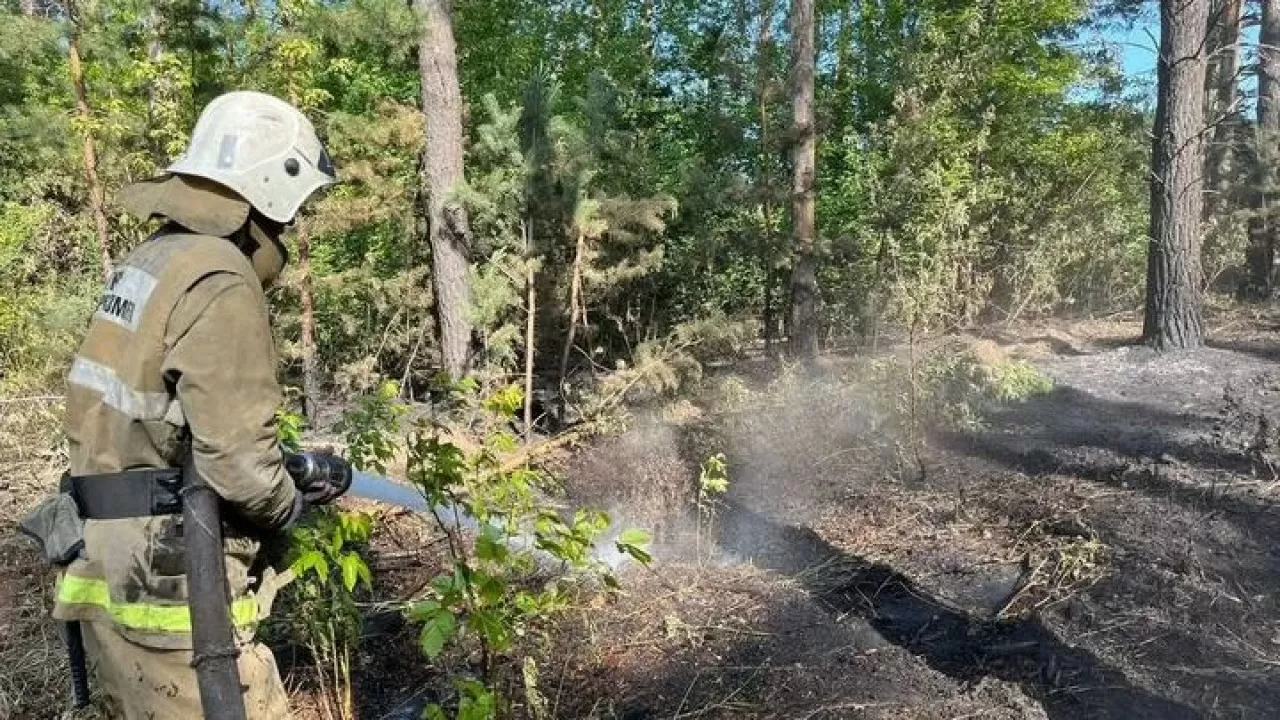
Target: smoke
(385, 490)
(794, 444)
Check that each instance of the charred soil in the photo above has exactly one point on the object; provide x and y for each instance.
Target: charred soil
(1108, 549)
(1105, 550)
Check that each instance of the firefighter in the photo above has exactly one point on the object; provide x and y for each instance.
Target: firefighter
(178, 364)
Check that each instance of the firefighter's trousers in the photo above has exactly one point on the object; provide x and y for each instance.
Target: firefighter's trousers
(143, 683)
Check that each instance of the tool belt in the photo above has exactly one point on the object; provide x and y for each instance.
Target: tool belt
(58, 522)
(135, 493)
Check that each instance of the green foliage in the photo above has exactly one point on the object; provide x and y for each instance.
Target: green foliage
(986, 192)
(324, 555)
(324, 551)
(713, 483)
(541, 208)
(959, 379)
(42, 311)
(1016, 380)
(325, 546)
(713, 478)
(475, 702)
(370, 427)
(289, 425)
(634, 543)
(967, 170)
(500, 529)
(663, 366)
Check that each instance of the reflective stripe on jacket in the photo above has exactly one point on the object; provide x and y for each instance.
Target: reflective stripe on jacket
(178, 354)
(94, 594)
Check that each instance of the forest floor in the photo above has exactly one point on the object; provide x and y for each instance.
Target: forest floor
(1109, 549)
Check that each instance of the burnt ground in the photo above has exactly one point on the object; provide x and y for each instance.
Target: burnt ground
(1107, 550)
(1110, 549)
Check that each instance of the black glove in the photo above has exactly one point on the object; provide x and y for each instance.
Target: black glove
(320, 477)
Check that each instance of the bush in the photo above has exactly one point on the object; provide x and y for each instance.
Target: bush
(502, 536)
(960, 377)
(42, 311)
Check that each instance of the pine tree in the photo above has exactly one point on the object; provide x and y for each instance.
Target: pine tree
(1222, 113)
(1174, 280)
(447, 228)
(805, 297)
(84, 116)
(1264, 225)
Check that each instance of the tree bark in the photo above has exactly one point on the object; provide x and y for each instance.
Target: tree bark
(530, 326)
(1224, 96)
(447, 225)
(97, 202)
(155, 49)
(1173, 258)
(764, 182)
(575, 305)
(307, 339)
(1263, 225)
(805, 298)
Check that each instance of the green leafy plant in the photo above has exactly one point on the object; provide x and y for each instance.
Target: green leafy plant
(501, 533)
(324, 549)
(325, 558)
(713, 482)
(959, 380)
(1018, 380)
(289, 429)
(371, 426)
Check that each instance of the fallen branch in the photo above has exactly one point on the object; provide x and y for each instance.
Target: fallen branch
(528, 454)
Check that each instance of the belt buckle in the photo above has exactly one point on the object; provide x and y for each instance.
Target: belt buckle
(166, 494)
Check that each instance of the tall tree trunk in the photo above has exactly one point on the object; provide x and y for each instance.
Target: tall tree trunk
(1173, 259)
(307, 308)
(575, 304)
(155, 49)
(448, 230)
(764, 181)
(768, 316)
(97, 202)
(1263, 225)
(805, 299)
(307, 341)
(530, 326)
(1224, 96)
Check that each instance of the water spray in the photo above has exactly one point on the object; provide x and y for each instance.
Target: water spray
(380, 489)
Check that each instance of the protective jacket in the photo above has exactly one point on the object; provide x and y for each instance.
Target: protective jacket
(178, 357)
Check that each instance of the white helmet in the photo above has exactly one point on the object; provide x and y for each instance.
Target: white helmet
(261, 147)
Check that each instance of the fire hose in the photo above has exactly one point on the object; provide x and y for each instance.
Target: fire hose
(320, 477)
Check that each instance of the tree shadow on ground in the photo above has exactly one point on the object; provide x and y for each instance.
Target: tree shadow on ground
(1259, 349)
(1127, 445)
(1191, 531)
(1069, 682)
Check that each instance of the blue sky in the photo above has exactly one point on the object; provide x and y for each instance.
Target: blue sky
(1137, 46)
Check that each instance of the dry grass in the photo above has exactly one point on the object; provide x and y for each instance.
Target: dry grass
(31, 451)
(33, 664)
(33, 667)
